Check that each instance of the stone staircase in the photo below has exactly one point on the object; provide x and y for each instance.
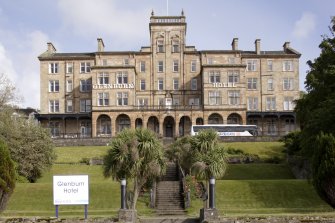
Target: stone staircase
(169, 198)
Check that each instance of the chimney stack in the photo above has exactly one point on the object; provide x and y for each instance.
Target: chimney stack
(51, 48)
(234, 44)
(101, 45)
(286, 46)
(258, 46)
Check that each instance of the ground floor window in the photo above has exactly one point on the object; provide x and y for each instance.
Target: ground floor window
(54, 128)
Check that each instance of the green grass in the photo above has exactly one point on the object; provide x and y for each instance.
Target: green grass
(265, 197)
(258, 171)
(265, 150)
(77, 153)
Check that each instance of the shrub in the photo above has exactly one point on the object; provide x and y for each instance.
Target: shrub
(292, 142)
(7, 175)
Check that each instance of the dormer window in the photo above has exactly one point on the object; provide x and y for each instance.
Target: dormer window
(160, 46)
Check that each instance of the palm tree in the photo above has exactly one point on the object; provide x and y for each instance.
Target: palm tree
(137, 155)
(209, 158)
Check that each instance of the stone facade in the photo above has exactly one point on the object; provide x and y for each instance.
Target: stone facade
(167, 86)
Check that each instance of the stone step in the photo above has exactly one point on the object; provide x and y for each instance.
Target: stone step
(169, 219)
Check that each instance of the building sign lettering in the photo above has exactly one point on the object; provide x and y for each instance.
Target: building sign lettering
(224, 85)
(113, 86)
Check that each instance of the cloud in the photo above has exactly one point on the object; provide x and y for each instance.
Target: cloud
(305, 25)
(102, 18)
(6, 67)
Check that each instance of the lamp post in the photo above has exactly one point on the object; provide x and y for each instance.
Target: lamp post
(123, 193)
(212, 193)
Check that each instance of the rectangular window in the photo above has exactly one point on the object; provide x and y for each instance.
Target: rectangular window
(270, 84)
(270, 103)
(160, 86)
(175, 102)
(69, 68)
(233, 77)
(194, 84)
(122, 98)
(252, 83)
(288, 84)
(142, 102)
(175, 47)
(69, 106)
(54, 128)
(85, 85)
(251, 65)
(214, 76)
(104, 62)
(69, 85)
(234, 97)
(126, 62)
(287, 65)
(103, 99)
(160, 66)
(142, 66)
(122, 77)
(288, 104)
(210, 61)
(252, 103)
(175, 66)
(160, 46)
(85, 105)
(53, 106)
(175, 84)
(103, 78)
(270, 65)
(142, 85)
(54, 86)
(53, 68)
(214, 98)
(193, 66)
(85, 67)
(194, 101)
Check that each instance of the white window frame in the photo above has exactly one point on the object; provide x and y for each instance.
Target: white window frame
(288, 65)
(175, 66)
(142, 85)
(122, 77)
(252, 83)
(234, 97)
(54, 86)
(69, 68)
(142, 66)
(103, 78)
(160, 46)
(193, 65)
(175, 46)
(194, 84)
(288, 84)
(85, 105)
(270, 103)
(214, 76)
(288, 104)
(69, 106)
(141, 102)
(160, 66)
(160, 84)
(214, 98)
(69, 85)
(126, 61)
(270, 65)
(54, 106)
(251, 65)
(53, 68)
(270, 84)
(233, 76)
(252, 104)
(122, 98)
(175, 84)
(194, 101)
(103, 99)
(85, 85)
(85, 67)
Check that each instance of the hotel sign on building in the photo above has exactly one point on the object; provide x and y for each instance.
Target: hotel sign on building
(168, 86)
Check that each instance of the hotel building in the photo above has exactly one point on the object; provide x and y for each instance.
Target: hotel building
(167, 86)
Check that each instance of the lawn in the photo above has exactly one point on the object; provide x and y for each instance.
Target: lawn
(247, 189)
(265, 150)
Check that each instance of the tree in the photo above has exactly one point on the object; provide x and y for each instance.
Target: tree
(316, 109)
(7, 175)
(30, 145)
(137, 155)
(8, 93)
(324, 167)
(209, 159)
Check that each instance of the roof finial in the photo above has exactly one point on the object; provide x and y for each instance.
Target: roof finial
(182, 12)
(152, 12)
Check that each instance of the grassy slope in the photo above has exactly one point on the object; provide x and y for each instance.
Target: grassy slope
(253, 189)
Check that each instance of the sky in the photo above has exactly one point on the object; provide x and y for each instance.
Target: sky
(75, 25)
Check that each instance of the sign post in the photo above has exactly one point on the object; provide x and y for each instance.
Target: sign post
(70, 190)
